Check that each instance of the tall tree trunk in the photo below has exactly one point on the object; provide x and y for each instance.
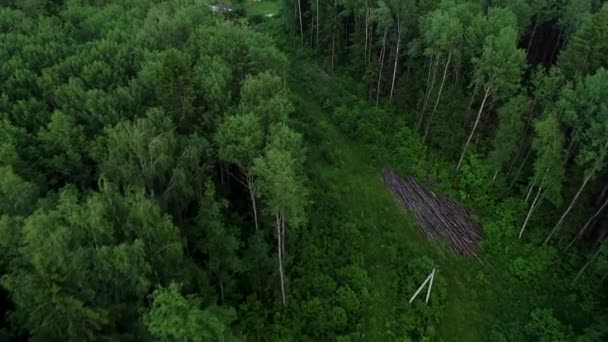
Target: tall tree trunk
(563, 217)
(366, 33)
(251, 187)
(598, 162)
(530, 190)
(580, 273)
(521, 166)
(280, 256)
(429, 89)
(382, 54)
(445, 73)
(535, 204)
(466, 145)
(473, 96)
(396, 57)
(371, 42)
(283, 253)
(318, 13)
(427, 94)
(495, 174)
(301, 26)
(587, 224)
(559, 38)
(532, 36)
(333, 50)
(312, 30)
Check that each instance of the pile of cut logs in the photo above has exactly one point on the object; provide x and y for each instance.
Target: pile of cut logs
(438, 216)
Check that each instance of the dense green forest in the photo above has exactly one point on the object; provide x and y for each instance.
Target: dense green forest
(204, 170)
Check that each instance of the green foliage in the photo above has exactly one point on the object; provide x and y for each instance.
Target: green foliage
(240, 138)
(500, 65)
(122, 123)
(580, 58)
(175, 317)
(544, 327)
(509, 131)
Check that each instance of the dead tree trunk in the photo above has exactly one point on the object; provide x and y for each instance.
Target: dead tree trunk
(466, 145)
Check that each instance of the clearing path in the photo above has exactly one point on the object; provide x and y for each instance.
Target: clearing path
(366, 198)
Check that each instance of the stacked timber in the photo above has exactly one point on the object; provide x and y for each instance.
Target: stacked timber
(439, 217)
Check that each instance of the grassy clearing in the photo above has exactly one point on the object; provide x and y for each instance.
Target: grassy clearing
(255, 8)
(366, 199)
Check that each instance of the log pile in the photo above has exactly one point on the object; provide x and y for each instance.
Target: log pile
(438, 216)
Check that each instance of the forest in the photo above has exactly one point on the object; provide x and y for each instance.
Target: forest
(203, 170)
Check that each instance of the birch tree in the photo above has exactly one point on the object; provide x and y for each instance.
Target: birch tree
(443, 34)
(588, 99)
(497, 73)
(549, 168)
(284, 198)
(509, 131)
(240, 139)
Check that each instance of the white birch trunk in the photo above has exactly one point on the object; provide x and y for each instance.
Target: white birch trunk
(396, 58)
(533, 206)
(301, 26)
(428, 92)
(251, 187)
(280, 256)
(580, 273)
(466, 145)
(563, 217)
(587, 224)
(382, 53)
(445, 73)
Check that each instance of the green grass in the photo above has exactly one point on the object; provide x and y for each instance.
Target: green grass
(263, 7)
(373, 206)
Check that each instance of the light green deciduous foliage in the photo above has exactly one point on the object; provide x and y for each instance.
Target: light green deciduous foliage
(218, 241)
(542, 326)
(174, 317)
(64, 146)
(588, 101)
(284, 197)
(265, 96)
(240, 139)
(82, 265)
(579, 57)
(509, 132)
(148, 154)
(443, 35)
(17, 196)
(549, 165)
(497, 72)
